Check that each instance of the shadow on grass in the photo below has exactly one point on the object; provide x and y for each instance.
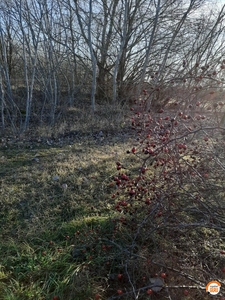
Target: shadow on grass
(52, 198)
(59, 236)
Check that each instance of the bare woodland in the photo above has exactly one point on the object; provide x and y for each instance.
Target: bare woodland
(56, 54)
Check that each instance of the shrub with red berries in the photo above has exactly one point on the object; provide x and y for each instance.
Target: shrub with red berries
(173, 191)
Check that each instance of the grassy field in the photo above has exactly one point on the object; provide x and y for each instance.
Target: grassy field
(47, 194)
(52, 188)
(60, 236)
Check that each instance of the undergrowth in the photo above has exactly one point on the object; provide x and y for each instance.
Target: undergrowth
(82, 218)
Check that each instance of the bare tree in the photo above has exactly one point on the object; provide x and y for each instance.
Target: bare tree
(58, 52)
(120, 52)
(7, 103)
(93, 58)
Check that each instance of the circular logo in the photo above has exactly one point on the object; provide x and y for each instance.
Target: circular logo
(213, 287)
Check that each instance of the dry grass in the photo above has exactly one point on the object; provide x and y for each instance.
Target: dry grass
(59, 233)
(50, 188)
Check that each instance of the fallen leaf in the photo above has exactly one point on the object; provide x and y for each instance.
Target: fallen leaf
(157, 284)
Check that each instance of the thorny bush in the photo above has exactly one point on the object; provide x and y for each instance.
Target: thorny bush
(172, 207)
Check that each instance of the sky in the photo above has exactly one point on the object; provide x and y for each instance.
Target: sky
(211, 3)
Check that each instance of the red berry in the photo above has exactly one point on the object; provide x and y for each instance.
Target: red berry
(119, 276)
(147, 201)
(132, 192)
(149, 291)
(143, 170)
(55, 298)
(223, 270)
(120, 292)
(222, 252)
(133, 150)
(97, 296)
(163, 275)
(159, 214)
(186, 292)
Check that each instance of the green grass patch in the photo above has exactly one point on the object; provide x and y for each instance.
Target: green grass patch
(48, 194)
(60, 235)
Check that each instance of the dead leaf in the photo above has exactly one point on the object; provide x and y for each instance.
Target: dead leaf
(157, 283)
